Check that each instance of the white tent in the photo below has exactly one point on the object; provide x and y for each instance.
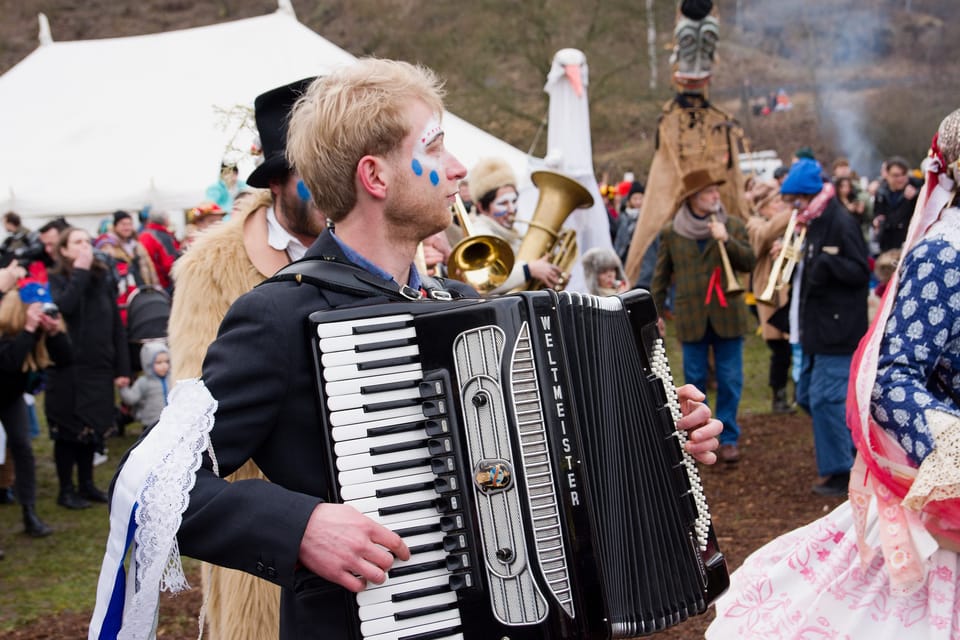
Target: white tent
(91, 126)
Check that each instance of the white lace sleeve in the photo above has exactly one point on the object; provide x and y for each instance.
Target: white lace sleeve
(939, 476)
(154, 486)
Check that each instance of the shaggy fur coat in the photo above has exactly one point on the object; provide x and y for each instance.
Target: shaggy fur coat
(223, 263)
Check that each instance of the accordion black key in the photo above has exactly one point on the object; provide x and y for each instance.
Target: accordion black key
(525, 449)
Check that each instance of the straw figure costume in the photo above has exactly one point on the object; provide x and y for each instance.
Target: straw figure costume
(691, 133)
(224, 263)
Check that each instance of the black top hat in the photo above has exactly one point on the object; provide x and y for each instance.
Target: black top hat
(272, 112)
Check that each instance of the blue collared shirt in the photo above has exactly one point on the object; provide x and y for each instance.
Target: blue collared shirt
(414, 281)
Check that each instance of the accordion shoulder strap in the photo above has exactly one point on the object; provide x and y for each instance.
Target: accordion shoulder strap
(330, 274)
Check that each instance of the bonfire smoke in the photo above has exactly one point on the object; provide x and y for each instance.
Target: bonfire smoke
(829, 37)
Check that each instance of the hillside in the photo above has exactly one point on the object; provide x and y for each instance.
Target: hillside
(866, 77)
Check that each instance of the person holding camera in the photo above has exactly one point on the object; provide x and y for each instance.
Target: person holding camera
(80, 397)
(29, 339)
(21, 245)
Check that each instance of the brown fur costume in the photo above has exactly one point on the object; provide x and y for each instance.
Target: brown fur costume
(691, 133)
(763, 234)
(222, 264)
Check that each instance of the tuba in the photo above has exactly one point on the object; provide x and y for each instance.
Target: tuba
(559, 196)
(484, 262)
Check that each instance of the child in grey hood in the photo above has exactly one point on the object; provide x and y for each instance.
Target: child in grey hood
(148, 395)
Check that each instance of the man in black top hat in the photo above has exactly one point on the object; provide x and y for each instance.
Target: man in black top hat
(270, 229)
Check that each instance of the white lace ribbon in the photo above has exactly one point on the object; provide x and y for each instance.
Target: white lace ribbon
(150, 495)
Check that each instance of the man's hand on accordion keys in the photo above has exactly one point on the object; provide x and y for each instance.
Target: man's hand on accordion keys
(347, 548)
(702, 430)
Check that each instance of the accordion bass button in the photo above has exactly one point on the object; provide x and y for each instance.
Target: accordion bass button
(458, 562)
(440, 446)
(461, 581)
(442, 465)
(454, 542)
(436, 427)
(453, 522)
(445, 484)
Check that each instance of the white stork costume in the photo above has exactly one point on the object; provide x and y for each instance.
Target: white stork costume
(570, 152)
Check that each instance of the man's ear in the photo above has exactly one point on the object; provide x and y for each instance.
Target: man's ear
(276, 187)
(373, 175)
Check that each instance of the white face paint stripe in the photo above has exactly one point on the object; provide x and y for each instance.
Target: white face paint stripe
(432, 131)
(425, 164)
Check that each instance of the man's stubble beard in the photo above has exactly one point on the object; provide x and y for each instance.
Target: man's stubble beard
(410, 215)
(302, 218)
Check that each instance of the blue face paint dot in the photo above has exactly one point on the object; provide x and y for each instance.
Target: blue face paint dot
(434, 178)
(417, 167)
(303, 192)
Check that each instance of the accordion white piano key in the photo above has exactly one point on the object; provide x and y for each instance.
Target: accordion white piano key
(352, 371)
(391, 628)
(346, 387)
(357, 400)
(340, 358)
(364, 460)
(411, 578)
(384, 609)
(346, 327)
(399, 527)
(363, 505)
(383, 594)
(366, 474)
(433, 537)
(356, 416)
(348, 343)
(419, 558)
(361, 429)
(392, 520)
(369, 489)
(363, 445)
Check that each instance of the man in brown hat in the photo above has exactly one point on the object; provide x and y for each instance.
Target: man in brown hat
(706, 317)
(275, 227)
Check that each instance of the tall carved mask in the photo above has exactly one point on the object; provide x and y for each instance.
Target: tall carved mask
(695, 43)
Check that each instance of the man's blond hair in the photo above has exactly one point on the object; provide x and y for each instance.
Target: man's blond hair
(356, 111)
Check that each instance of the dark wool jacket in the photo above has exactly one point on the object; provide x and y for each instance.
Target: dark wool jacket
(680, 260)
(14, 351)
(81, 395)
(896, 213)
(835, 284)
(260, 370)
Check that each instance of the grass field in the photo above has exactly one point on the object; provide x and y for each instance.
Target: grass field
(59, 573)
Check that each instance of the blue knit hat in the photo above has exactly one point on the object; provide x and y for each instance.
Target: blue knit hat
(805, 178)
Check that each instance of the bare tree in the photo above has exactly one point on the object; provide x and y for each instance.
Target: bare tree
(652, 44)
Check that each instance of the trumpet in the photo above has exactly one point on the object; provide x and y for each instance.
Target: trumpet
(733, 285)
(484, 262)
(783, 266)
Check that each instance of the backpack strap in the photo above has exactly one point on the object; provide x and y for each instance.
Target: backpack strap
(331, 274)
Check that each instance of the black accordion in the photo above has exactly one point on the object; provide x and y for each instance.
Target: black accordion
(525, 449)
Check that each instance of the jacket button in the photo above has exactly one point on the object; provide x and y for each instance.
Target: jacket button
(259, 567)
(271, 573)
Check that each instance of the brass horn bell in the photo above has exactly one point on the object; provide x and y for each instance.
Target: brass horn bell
(559, 197)
(482, 261)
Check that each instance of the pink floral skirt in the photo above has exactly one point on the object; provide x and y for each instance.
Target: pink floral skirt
(809, 584)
